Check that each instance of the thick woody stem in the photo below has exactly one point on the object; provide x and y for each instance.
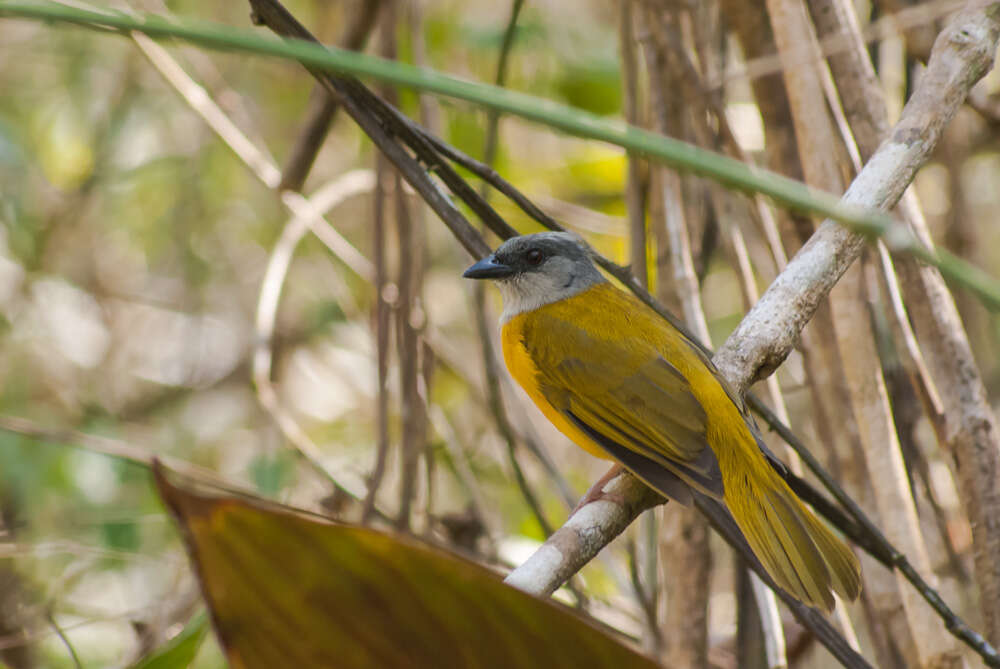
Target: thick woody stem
(587, 531)
(817, 141)
(968, 427)
(962, 55)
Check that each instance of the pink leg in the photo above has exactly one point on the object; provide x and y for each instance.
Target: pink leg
(596, 491)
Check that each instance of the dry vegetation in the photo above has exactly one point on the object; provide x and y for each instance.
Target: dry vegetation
(162, 295)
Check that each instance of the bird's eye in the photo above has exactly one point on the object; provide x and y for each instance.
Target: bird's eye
(534, 257)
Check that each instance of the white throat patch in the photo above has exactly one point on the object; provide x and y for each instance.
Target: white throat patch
(531, 290)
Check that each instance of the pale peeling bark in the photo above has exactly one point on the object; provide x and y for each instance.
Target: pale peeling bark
(970, 430)
(818, 142)
(970, 425)
(684, 550)
(814, 132)
(884, 459)
(962, 55)
(586, 532)
(686, 565)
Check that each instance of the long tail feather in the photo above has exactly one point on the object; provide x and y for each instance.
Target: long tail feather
(796, 549)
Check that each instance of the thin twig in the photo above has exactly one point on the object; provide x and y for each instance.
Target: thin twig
(493, 116)
(428, 363)
(418, 320)
(323, 108)
(413, 442)
(647, 604)
(413, 434)
(382, 311)
(882, 547)
(349, 184)
(64, 639)
(635, 207)
(926, 387)
(118, 449)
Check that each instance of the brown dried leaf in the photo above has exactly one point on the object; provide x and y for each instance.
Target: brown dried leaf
(291, 590)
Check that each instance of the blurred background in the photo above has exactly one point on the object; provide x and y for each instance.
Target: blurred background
(142, 264)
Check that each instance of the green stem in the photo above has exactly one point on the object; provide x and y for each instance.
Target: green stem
(675, 153)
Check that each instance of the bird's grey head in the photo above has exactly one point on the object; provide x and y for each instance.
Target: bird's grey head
(534, 270)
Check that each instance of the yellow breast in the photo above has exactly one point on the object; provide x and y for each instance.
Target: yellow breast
(523, 369)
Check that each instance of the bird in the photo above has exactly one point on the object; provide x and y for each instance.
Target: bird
(624, 384)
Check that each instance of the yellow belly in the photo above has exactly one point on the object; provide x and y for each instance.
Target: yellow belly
(523, 370)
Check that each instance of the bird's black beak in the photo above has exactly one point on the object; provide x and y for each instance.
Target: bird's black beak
(489, 268)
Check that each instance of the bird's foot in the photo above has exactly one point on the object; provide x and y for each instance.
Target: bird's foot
(597, 492)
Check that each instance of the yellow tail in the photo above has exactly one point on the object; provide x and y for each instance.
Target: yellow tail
(796, 548)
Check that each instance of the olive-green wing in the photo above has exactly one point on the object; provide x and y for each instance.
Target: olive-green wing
(631, 401)
(736, 399)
